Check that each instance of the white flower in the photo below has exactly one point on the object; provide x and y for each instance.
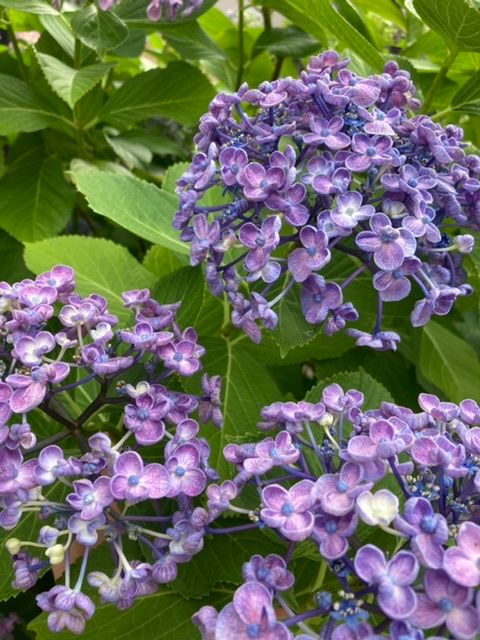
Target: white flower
(379, 508)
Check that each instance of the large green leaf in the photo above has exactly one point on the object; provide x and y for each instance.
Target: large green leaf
(161, 261)
(375, 393)
(286, 41)
(292, 330)
(247, 387)
(317, 15)
(455, 20)
(38, 207)
(21, 109)
(61, 31)
(101, 266)
(467, 98)
(99, 30)
(191, 41)
(132, 203)
(30, 6)
(161, 616)
(449, 363)
(180, 92)
(68, 83)
(186, 285)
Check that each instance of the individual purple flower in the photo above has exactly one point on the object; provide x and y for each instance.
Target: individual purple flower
(328, 133)
(270, 571)
(102, 363)
(290, 204)
(462, 563)
(30, 350)
(15, 475)
(438, 302)
(29, 391)
(260, 241)
(143, 337)
(183, 356)
(318, 298)
(289, 511)
(395, 596)
(446, 602)
(312, 256)
(90, 498)
(250, 615)
(5, 411)
(331, 533)
(386, 438)
(205, 235)
(206, 621)
(349, 210)
(395, 285)
(337, 491)
(259, 183)
(337, 400)
(270, 453)
(134, 482)
(184, 473)
(390, 246)
(27, 570)
(145, 418)
(421, 224)
(363, 92)
(368, 152)
(232, 162)
(209, 406)
(427, 530)
(86, 531)
(61, 278)
(442, 411)
(380, 341)
(51, 464)
(67, 609)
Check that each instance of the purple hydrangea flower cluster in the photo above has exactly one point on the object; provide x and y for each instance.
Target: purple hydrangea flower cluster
(329, 165)
(390, 499)
(156, 10)
(111, 487)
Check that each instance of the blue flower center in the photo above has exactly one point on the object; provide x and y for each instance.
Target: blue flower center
(253, 630)
(325, 132)
(143, 414)
(446, 605)
(349, 211)
(397, 274)
(317, 297)
(260, 242)
(234, 168)
(371, 151)
(144, 337)
(342, 486)
(178, 357)
(264, 184)
(273, 453)
(104, 358)
(428, 524)
(331, 526)
(312, 250)
(180, 471)
(133, 480)
(263, 573)
(413, 182)
(88, 498)
(287, 509)
(51, 282)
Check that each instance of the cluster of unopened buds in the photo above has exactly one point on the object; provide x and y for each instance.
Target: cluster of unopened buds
(156, 9)
(328, 170)
(62, 358)
(390, 498)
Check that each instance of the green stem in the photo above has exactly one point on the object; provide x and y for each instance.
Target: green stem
(439, 78)
(267, 19)
(13, 39)
(241, 42)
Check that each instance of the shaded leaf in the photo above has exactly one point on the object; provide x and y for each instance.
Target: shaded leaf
(455, 20)
(132, 203)
(99, 30)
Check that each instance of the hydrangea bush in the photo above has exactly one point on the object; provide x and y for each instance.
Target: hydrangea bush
(316, 168)
(103, 487)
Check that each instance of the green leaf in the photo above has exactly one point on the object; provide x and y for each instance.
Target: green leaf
(375, 393)
(161, 261)
(21, 109)
(38, 207)
(161, 615)
(71, 84)
(286, 41)
(99, 30)
(191, 41)
(292, 330)
(12, 266)
(61, 31)
(247, 387)
(317, 15)
(101, 267)
(449, 363)
(187, 286)
(467, 98)
(41, 7)
(221, 561)
(180, 92)
(455, 20)
(134, 204)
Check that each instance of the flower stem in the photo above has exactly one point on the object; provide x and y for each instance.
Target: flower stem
(241, 42)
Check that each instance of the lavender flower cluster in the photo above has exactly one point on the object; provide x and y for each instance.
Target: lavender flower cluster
(330, 164)
(156, 10)
(336, 475)
(53, 344)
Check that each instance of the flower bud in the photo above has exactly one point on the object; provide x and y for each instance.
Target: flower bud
(13, 546)
(55, 554)
(326, 420)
